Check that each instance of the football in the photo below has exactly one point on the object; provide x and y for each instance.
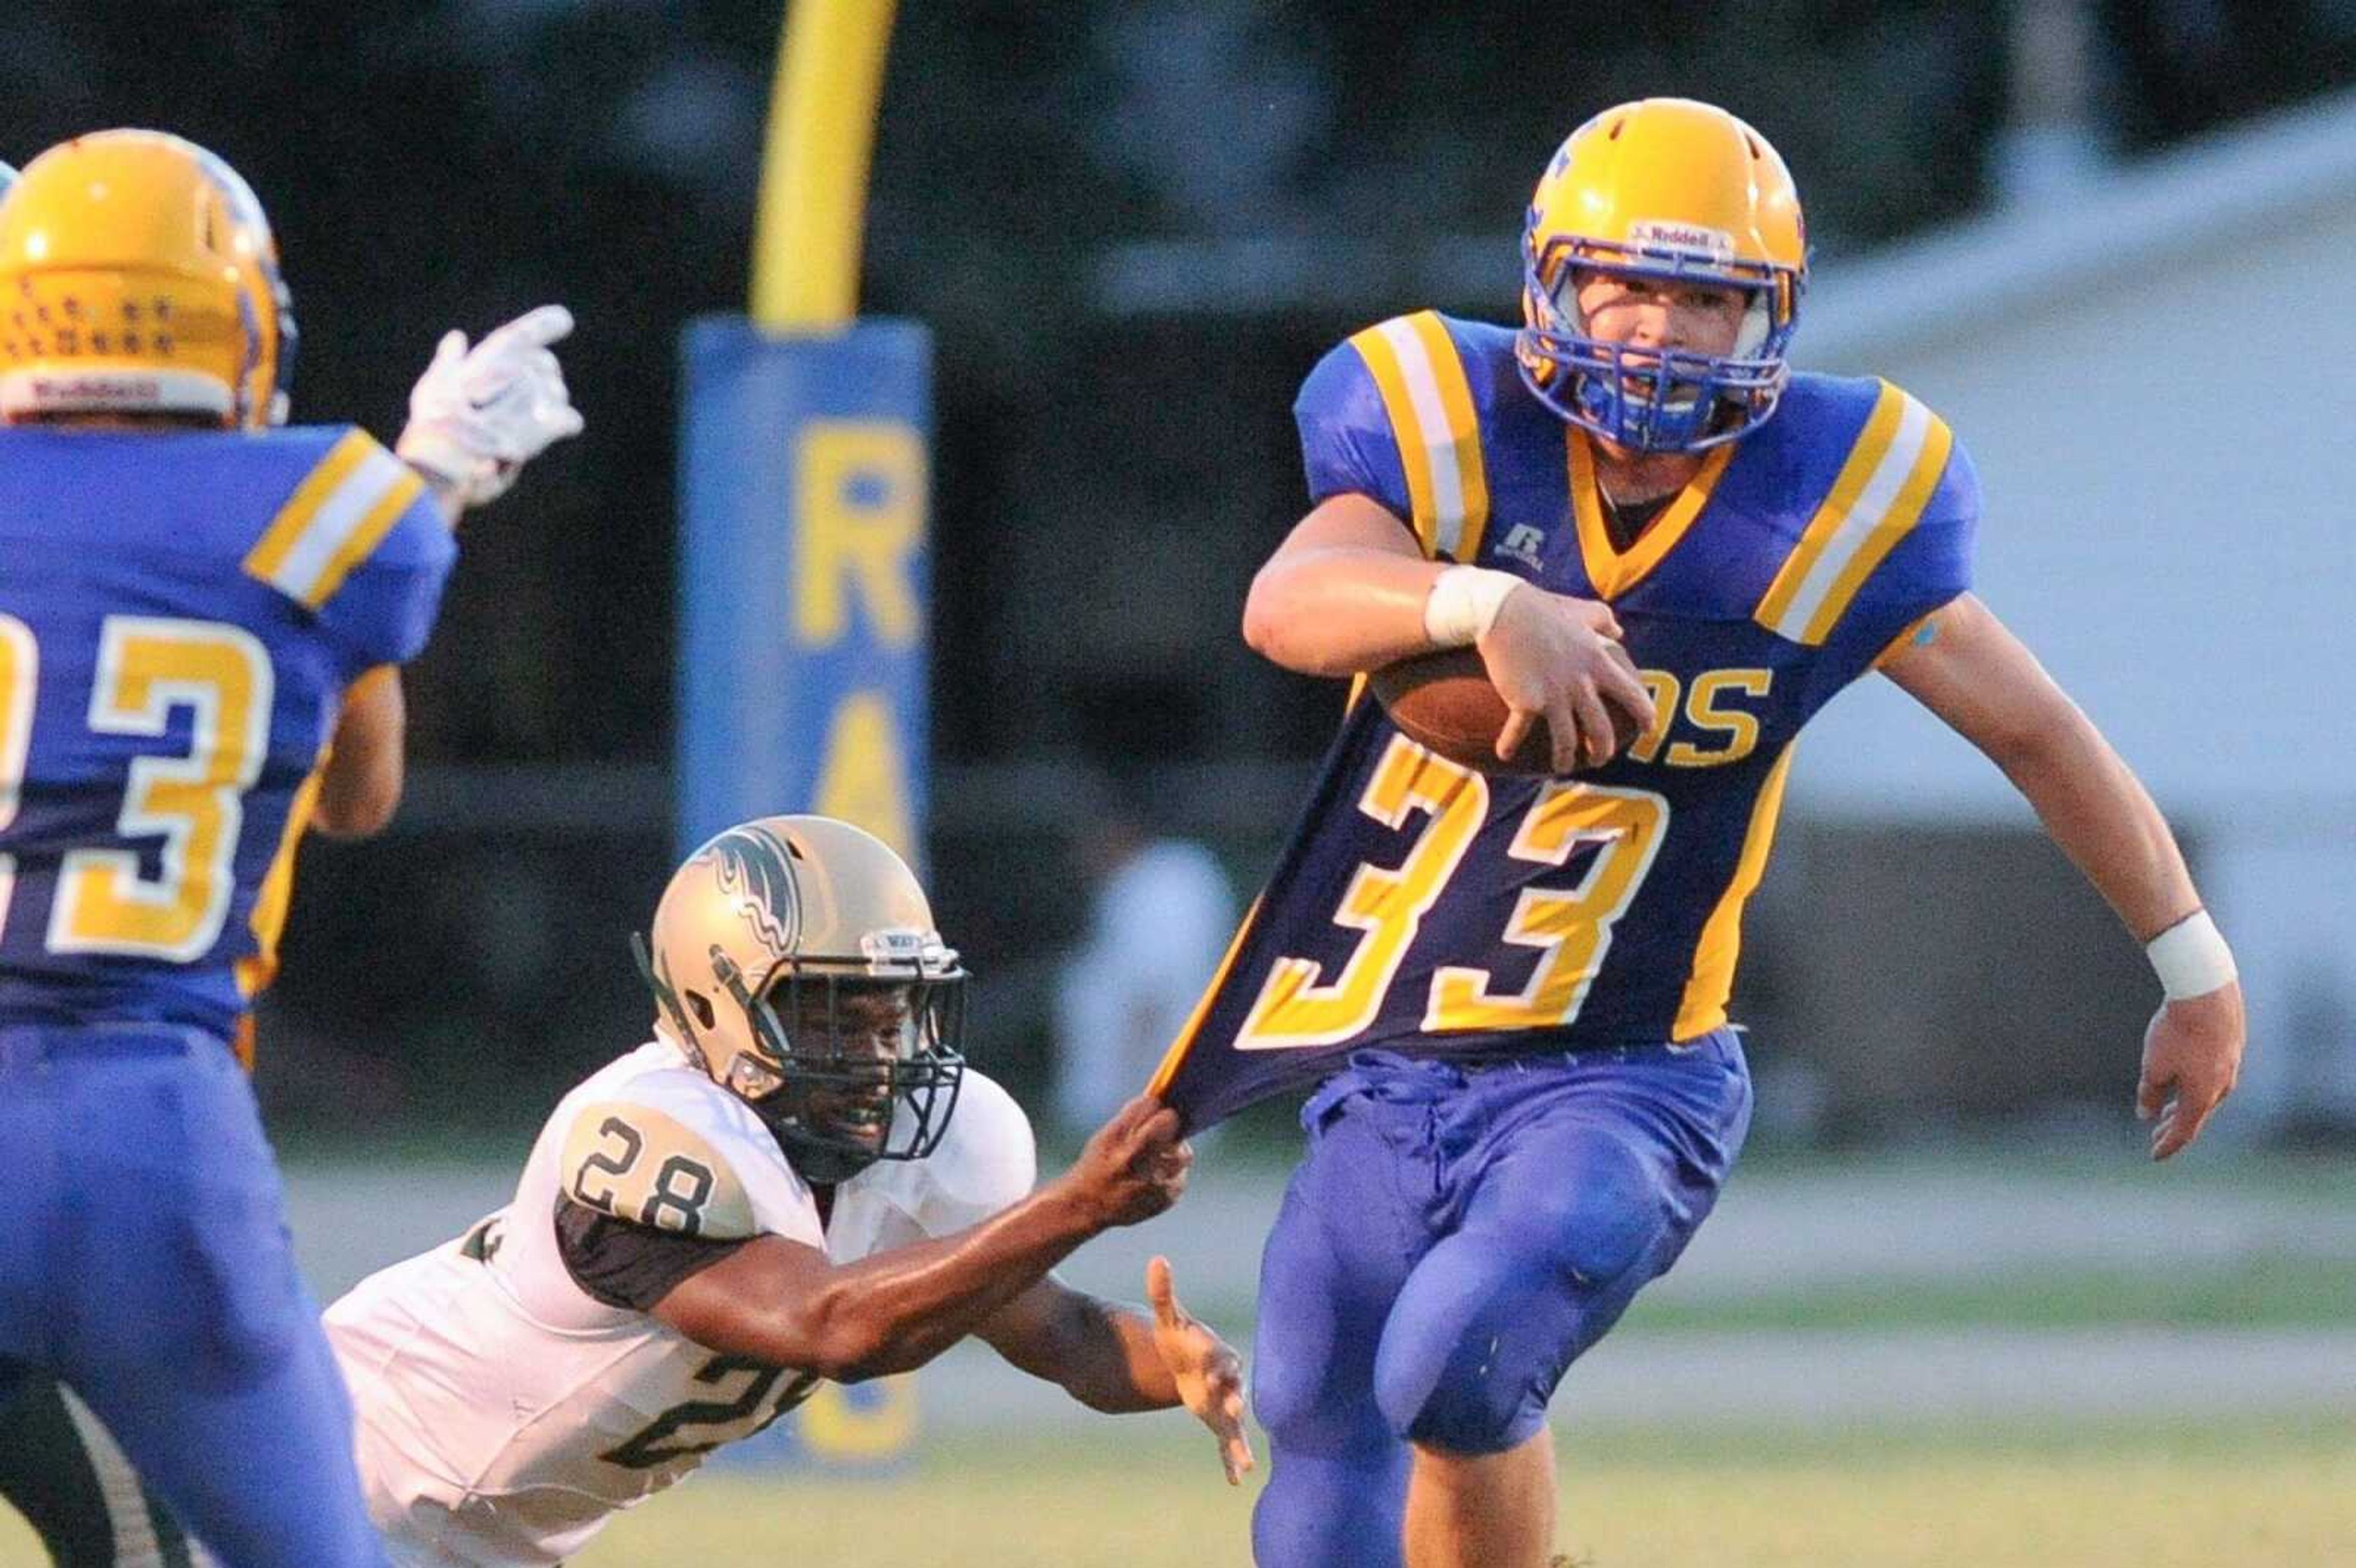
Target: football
(1443, 701)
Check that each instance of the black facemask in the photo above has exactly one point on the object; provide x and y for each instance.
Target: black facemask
(871, 1067)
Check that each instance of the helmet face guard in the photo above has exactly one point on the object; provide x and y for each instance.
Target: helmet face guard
(1652, 400)
(837, 1091)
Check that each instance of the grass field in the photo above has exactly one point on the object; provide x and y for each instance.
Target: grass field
(2239, 1495)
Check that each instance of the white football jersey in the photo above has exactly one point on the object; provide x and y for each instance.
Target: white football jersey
(503, 1413)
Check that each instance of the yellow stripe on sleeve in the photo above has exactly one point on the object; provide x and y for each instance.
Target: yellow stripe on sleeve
(374, 524)
(1462, 542)
(339, 513)
(269, 555)
(1415, 456)
(1436, 428)
(1872, 446)
(1905, 511)
(1703, 1006)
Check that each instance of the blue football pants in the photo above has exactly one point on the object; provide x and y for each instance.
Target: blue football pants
(1450, 1244)
(146, 1264)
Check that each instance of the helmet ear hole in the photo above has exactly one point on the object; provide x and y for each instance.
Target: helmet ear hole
(701, 1006)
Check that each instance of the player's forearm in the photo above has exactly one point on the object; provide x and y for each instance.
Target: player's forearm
(2102, 818)
(1103, 1355)
(898, 1309)
(1339, 611)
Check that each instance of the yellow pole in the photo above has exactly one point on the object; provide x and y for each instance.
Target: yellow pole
(814, 168)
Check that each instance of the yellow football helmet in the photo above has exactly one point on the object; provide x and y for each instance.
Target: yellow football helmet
(1669, 190)
(138, 276)
(794, 959)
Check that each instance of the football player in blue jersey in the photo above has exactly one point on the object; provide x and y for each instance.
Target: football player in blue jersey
(1510, 992)
(201, 617)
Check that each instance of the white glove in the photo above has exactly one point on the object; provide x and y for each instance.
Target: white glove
(480, 414)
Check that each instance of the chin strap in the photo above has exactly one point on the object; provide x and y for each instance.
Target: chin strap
(665, 998)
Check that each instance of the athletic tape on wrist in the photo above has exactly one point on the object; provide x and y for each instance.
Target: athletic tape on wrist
(1464, 604)
(2191, 958)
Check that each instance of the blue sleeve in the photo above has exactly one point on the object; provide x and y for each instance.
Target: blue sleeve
(385, 610)
(1347, 442)
(1931, 567)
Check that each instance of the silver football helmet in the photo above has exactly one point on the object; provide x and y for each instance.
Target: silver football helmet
(795, 960)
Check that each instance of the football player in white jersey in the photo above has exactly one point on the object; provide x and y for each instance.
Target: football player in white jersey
(797, 1179)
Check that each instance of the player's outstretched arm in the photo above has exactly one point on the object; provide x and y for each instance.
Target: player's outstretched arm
(1116, 1359)
(1978, 678)
(480, 414)
(783, 1302)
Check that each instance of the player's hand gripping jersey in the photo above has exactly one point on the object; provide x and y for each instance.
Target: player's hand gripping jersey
(1424, 908)
(180, 614)
(513, 1390)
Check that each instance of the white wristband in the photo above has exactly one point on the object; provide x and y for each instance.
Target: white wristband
(1464, 604)
(2191, 958)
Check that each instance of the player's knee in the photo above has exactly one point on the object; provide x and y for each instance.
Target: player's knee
(1594, 1229)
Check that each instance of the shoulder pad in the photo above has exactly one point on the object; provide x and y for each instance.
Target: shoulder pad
(644, 1166)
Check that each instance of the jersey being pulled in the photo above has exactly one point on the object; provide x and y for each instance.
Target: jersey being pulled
(1424, 908)
(505, 1413)
(179, 615)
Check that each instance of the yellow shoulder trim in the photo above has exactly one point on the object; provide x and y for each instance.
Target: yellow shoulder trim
(338, 514)
(636, 1164)
(1875, 502)
(1422, 377)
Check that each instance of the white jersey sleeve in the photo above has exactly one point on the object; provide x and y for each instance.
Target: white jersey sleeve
(674, 1152)
(651, 1141)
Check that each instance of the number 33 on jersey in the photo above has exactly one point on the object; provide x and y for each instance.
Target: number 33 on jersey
(1424, 908)
(179, 617)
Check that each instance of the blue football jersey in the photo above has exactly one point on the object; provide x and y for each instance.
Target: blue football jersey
(179, 615)
(1422, 907)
